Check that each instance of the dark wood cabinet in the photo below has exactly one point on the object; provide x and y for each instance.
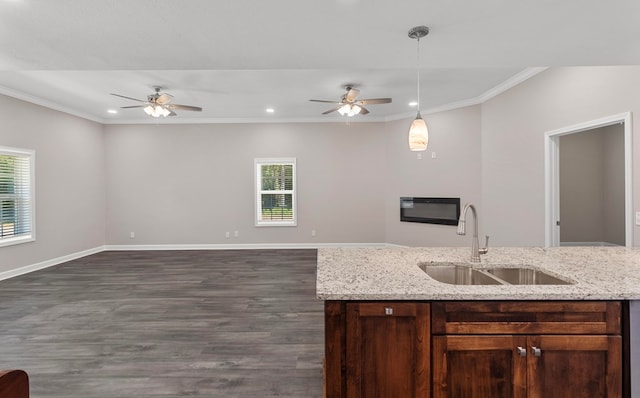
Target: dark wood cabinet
(386, 349)
(473, 349)
(577, 366)
(478, 366)
(585, 364)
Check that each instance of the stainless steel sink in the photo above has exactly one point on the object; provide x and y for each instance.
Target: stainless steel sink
(461, 274)
(455, 274)
(526, 276)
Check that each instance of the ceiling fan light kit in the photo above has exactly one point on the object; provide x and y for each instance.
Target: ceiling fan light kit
(349, 110)
(349, 104)
(418, 132)
(156, 111)
(159, 104)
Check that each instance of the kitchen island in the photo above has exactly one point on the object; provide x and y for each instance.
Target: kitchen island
(391, 329)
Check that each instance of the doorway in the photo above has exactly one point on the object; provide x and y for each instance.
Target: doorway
(600, 212)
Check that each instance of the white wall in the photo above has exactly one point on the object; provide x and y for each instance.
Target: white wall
(189, 184)
(513, 128)
(454, 137)
(70, 184)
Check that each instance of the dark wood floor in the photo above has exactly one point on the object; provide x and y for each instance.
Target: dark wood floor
(167, 324)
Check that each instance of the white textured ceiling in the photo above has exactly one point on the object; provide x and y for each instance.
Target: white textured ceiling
(236, 58)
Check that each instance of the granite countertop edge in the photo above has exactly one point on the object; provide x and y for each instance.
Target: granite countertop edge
(393, 273)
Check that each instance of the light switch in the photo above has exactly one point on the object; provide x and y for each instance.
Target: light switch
(637, 217)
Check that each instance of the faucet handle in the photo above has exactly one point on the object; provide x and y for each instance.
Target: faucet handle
(485, 249)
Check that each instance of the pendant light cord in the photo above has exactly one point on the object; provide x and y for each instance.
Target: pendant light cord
(418, 71)
(417, 33)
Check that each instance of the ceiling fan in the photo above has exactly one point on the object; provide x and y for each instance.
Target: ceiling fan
(349, 104)
(159, 104)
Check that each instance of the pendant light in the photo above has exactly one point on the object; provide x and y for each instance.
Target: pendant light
(418, 133)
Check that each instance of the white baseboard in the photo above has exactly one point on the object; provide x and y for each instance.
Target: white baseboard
(246, 246)
(49, 263)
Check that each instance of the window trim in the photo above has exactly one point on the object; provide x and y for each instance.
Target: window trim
(258, 162)
(31, 236)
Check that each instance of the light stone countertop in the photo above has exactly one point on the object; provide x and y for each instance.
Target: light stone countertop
(597, 273)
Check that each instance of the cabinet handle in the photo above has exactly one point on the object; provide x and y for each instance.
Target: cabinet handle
(388, 311)
(536, 351)
(521, 351)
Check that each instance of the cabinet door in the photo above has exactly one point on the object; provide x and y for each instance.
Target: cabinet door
(479, 367)
(388, 350)
(575, 366)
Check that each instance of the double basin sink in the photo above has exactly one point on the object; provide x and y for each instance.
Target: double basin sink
(459, 274)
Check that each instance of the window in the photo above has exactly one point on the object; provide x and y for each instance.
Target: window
(16, 196)
(276, 192)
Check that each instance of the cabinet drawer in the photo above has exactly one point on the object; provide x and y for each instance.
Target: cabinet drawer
(526, 317)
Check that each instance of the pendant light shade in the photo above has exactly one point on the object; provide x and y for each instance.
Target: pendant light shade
(418, 132)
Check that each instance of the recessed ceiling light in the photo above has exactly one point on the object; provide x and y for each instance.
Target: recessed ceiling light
(413, 103)
(112, 111)
(270, 110)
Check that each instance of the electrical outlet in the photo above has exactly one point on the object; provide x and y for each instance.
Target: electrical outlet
(313, 232)
(236, 234)
(227, 235)
(132, 235)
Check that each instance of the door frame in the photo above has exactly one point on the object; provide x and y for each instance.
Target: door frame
(552, 174)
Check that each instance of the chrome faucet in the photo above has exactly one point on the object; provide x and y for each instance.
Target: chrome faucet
(476, 251)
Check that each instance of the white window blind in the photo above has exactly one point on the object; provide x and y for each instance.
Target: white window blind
(16, 196)
(276, 192)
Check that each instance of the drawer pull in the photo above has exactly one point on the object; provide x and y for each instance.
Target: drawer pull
(388, 311)
(536, 351)
(522, 351)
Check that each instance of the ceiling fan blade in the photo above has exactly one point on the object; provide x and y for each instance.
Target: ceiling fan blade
(363, 110)
(352, 94)
(164, 99)
(332, 109)
(373, 101)
(326, 101)
(124, 96)
(171, 107)
(134, 106)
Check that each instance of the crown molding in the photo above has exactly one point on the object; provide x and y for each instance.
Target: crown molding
(49, 104)
(487, 95)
